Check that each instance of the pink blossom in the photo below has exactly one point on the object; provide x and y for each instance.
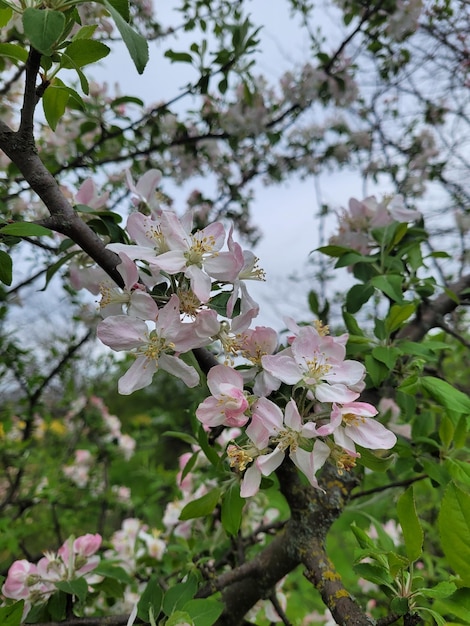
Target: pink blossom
(248, 270)
(21, 576)
(227, 404)
(154, 349)
(317, 363)
(144, 190)
(88, 194)
(268, 425)
(256, 343)
(133, 296)
(196, 255)
(352, 423)
(88, 544)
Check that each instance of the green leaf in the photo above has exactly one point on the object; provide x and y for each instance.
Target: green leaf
(352, 325)
(179, 617)
(357, 296)
(43, 28)
(457, 604)
(6, 268)
(54, 103)
(203, 612)
(363, 539)
(374, 573)
(57, 606)
(386, 355)
(232, 507)
(135, 43)
(12, 51)
(181, 436)
(25, 229)
(374, 462)
(447, 396)
(398, 314)
(400, 605)
(122, 6)
(82, 52)
(335, 251)
(11, 615)
(201, 506)
(376, 370)
(442, 590)
(109, 570)
(313, 302)
(77, 587)
(85, 32)
(460, 471)
(210, 453)
(178, 57)
(178, 595)
(151, 598)
(390, 285)
(410, 525)
(454, 529)
(5, 16)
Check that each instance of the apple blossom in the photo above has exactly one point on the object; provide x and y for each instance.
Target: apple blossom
(286, 432)
(190, 253)
(317, 363)
(133, 296)
(228, 403)
(154, 349)
(352, 423)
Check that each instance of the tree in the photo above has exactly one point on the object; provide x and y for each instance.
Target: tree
(333, 460)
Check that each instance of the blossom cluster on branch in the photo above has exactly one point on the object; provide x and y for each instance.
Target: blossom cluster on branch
(177, 281)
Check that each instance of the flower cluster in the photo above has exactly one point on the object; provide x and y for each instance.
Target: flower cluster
(356, 224)
(176, 282)
(35, 584)
(323, 417)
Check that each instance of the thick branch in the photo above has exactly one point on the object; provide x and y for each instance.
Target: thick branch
(30, 98)
(63, 218)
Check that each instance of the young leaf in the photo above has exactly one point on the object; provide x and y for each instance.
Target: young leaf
(446, 395)
(398, 314)
(14, 52)
(11, 615)
(178, 595)
(152, 597)
(25, 229)
(232, 507)
(135, 43)
(203, 612)
(43, 28)
(77, 587)
(83, 52)
(410, 525)
(54, 103)
(201, 506)
(454, 528)
(6, 268)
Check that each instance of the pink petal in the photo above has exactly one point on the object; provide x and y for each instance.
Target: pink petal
(282, 366)
(121, 332)
(267, 463)
(371, 434)
(138, 376)
(180, 369)
(251, 482)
